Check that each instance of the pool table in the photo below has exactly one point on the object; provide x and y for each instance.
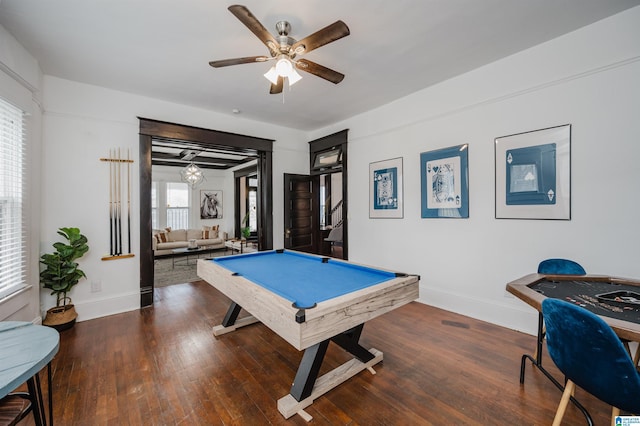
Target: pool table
(309, 301)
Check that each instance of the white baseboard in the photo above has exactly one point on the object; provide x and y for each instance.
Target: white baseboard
(104, 307)
(523, 319)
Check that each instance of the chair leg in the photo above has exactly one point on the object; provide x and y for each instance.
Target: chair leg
(615, 412)
(544, 333)
(566, 395)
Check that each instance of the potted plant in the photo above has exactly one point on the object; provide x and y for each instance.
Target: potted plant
(246, 230)
(61, 274)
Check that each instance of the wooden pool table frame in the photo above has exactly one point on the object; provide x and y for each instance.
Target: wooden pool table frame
(340, 320)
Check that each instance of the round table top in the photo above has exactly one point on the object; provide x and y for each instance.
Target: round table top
(25, 348)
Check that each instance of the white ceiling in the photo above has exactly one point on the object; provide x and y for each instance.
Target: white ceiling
(161, 48)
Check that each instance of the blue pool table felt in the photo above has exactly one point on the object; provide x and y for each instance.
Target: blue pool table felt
(303, 279)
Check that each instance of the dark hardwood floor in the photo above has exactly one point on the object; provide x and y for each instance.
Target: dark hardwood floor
(162, 366)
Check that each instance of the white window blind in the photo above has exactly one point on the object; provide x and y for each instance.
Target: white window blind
(13, 240)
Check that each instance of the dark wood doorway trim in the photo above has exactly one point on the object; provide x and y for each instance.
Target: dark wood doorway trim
(150, 129)
(237, 175)
(338, 139)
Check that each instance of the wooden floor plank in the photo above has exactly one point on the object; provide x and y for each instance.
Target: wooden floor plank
(163, 366)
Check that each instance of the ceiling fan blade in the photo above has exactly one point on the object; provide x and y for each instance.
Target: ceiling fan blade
(277, 88)
(330, 33)
(251, 22)
(238, 61)
(317, 69)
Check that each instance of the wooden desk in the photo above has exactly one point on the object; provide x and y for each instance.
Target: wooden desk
(25, 350)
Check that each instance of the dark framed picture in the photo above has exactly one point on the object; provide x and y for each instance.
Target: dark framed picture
(385, 189)
(533, 174)
(444, 176)
(210, 204)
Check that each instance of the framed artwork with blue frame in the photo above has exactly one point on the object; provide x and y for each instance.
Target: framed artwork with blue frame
(386, 189)
(533, 174)
(444, 176)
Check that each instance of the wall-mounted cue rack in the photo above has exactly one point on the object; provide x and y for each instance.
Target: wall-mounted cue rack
(116, 214)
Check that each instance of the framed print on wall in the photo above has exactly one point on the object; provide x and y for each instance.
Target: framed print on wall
(533, 174)
(385, 189)
(210, 204)
(444, 178)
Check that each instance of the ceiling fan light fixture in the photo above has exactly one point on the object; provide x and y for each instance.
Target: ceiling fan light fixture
(272, 75)
(294, 77)
(284, 66)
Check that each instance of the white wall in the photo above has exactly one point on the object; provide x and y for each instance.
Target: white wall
(589, 79)
(81, 123)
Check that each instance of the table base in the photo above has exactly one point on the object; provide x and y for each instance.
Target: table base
(307, 386)
(288, 405)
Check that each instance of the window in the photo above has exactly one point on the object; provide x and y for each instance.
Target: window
(177, 205)
(253, 204)
(330, 159)
(170, 205)
(154, 205)
(13, 238)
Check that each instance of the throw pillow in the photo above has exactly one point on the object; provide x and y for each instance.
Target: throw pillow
(208, 234)
(161, 237)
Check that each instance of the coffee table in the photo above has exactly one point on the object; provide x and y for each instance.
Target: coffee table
(238, 245)
(187, 252)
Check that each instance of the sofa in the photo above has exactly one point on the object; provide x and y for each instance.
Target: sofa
(165, 240)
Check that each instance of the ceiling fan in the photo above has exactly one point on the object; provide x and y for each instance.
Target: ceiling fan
(285, 49)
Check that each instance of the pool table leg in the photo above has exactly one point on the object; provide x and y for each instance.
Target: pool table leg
(349, 342)
(231, 322)
(309, 368)
(232, 314)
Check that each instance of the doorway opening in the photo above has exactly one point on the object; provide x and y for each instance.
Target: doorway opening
(315, 208)
(246, 204)
(153, 131)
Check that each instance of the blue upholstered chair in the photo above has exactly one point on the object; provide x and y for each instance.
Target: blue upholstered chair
(557, 267)
(560, 267)
(591, 356)
(569, 267)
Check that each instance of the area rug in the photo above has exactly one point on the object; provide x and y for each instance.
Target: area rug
(184, 271)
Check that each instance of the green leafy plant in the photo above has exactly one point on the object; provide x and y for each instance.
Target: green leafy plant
(246, 230)
(61, 272)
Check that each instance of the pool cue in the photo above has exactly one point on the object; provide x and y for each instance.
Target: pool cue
(119, 206)
(115, 204)
(110, 205)
(129, 200)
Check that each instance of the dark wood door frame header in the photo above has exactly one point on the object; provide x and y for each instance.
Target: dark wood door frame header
(213, 138)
